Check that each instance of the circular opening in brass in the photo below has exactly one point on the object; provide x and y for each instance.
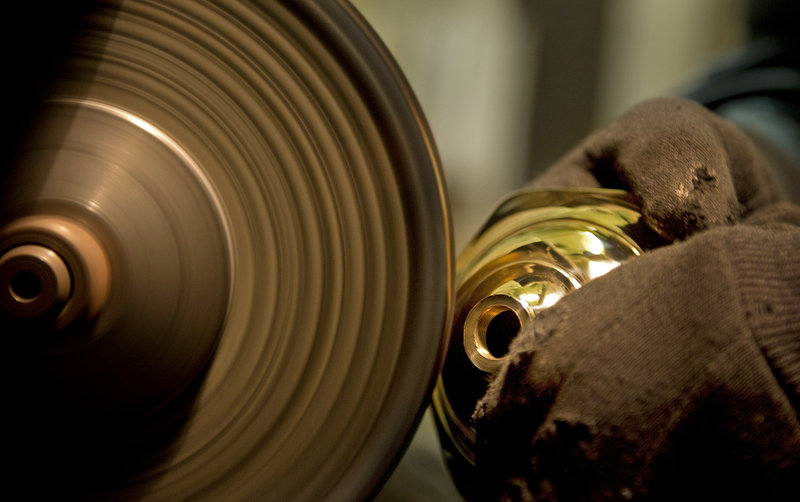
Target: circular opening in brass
(25, 286)
(502, 327)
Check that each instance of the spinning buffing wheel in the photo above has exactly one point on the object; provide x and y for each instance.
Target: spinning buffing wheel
(225, 258)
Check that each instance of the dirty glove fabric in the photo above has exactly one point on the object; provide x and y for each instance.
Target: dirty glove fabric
(689, 168)
(677, 375)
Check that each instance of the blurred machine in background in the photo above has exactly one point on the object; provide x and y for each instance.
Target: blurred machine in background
(225, 252)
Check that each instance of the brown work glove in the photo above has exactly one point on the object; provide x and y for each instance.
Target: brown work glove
(689, 169)
(677, 375)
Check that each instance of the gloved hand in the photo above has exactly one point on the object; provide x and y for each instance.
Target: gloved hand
(677, 375)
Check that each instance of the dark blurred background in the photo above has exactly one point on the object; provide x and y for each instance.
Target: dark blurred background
(510, 85)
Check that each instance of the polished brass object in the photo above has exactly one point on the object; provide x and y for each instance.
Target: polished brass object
(537, 247)
(225, 256)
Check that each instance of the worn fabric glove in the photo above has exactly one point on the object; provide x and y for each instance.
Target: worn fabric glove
(689, 168)
(677, 375)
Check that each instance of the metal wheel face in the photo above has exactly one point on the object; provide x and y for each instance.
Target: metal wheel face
(270, 212)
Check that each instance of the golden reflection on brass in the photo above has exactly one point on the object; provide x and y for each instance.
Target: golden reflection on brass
(537, 247)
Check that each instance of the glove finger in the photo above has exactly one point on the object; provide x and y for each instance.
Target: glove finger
(688, 168)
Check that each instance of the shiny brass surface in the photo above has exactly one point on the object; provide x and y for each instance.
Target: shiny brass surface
(259, 308)
(536, 247)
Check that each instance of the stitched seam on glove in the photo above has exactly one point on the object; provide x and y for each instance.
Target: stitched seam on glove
(767, 268)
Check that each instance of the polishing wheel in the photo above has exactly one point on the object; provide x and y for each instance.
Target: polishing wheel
(225, 258)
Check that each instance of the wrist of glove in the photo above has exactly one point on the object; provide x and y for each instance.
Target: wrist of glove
(676, 375)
